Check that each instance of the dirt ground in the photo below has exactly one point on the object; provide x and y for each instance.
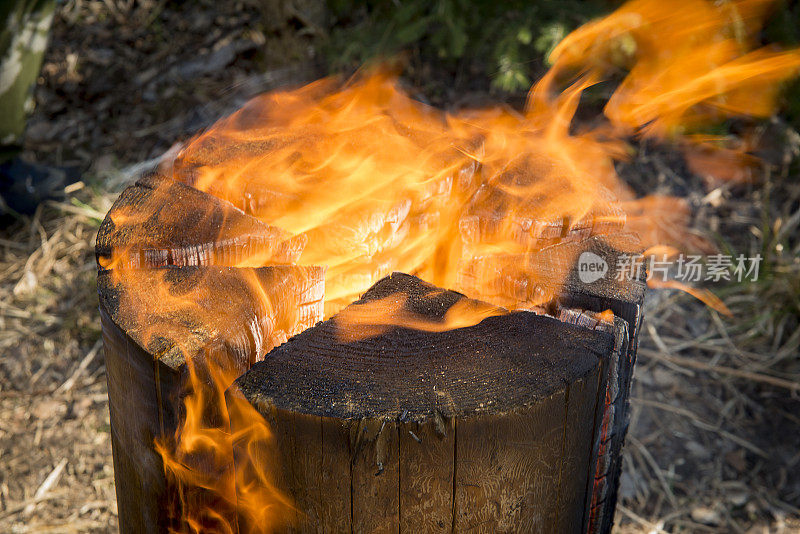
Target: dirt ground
(714, 443)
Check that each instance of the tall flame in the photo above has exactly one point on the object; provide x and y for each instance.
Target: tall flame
(220, 462)
(489, 202)
(378, 182)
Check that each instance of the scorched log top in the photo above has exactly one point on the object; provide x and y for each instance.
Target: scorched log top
(503, 363)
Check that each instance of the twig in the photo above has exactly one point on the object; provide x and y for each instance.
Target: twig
(703, 425)
(71, 188)
(81, 525)
(654, 527)
(696, 364)
(49, 482)
(69, 383)
(89, 212)
(663, 347)
(656, 470)
(15, 509)
(13, 244)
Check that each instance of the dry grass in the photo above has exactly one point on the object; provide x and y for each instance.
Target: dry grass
(54, 429)
(715, 434)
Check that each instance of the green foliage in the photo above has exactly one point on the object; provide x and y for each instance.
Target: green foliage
(783, 27)
(507, 38)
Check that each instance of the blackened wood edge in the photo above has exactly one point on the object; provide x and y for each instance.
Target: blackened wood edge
(610, 436)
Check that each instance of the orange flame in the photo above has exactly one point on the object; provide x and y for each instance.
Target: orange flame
(688, 64)
(374, 317)
(220, 459)
(363, 180)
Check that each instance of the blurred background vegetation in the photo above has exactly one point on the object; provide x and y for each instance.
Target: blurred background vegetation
(496, 45)
(505, 42)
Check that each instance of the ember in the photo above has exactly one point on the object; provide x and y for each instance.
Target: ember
(289, 210)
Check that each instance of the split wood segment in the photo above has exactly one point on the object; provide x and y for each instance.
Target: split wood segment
(367, 445)
(486, 428)
(177, 248)
(146, 356)
(624, 298)
(158, 222)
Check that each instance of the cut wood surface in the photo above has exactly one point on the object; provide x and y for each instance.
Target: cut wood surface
(173, 313)
(487, 428)
(551, 273)
(159, 221)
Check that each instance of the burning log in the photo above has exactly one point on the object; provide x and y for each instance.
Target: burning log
(511, 424)
(203, 271)
(175, 304)
(425, 427)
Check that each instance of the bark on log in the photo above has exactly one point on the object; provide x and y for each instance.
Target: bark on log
(488, 428)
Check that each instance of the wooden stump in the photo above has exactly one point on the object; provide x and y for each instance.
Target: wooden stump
(513, 424)
(175, 249)
(489, 428)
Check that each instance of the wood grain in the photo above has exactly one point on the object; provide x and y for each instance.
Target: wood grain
(158, 222)
(136, 420)
(427, 467)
